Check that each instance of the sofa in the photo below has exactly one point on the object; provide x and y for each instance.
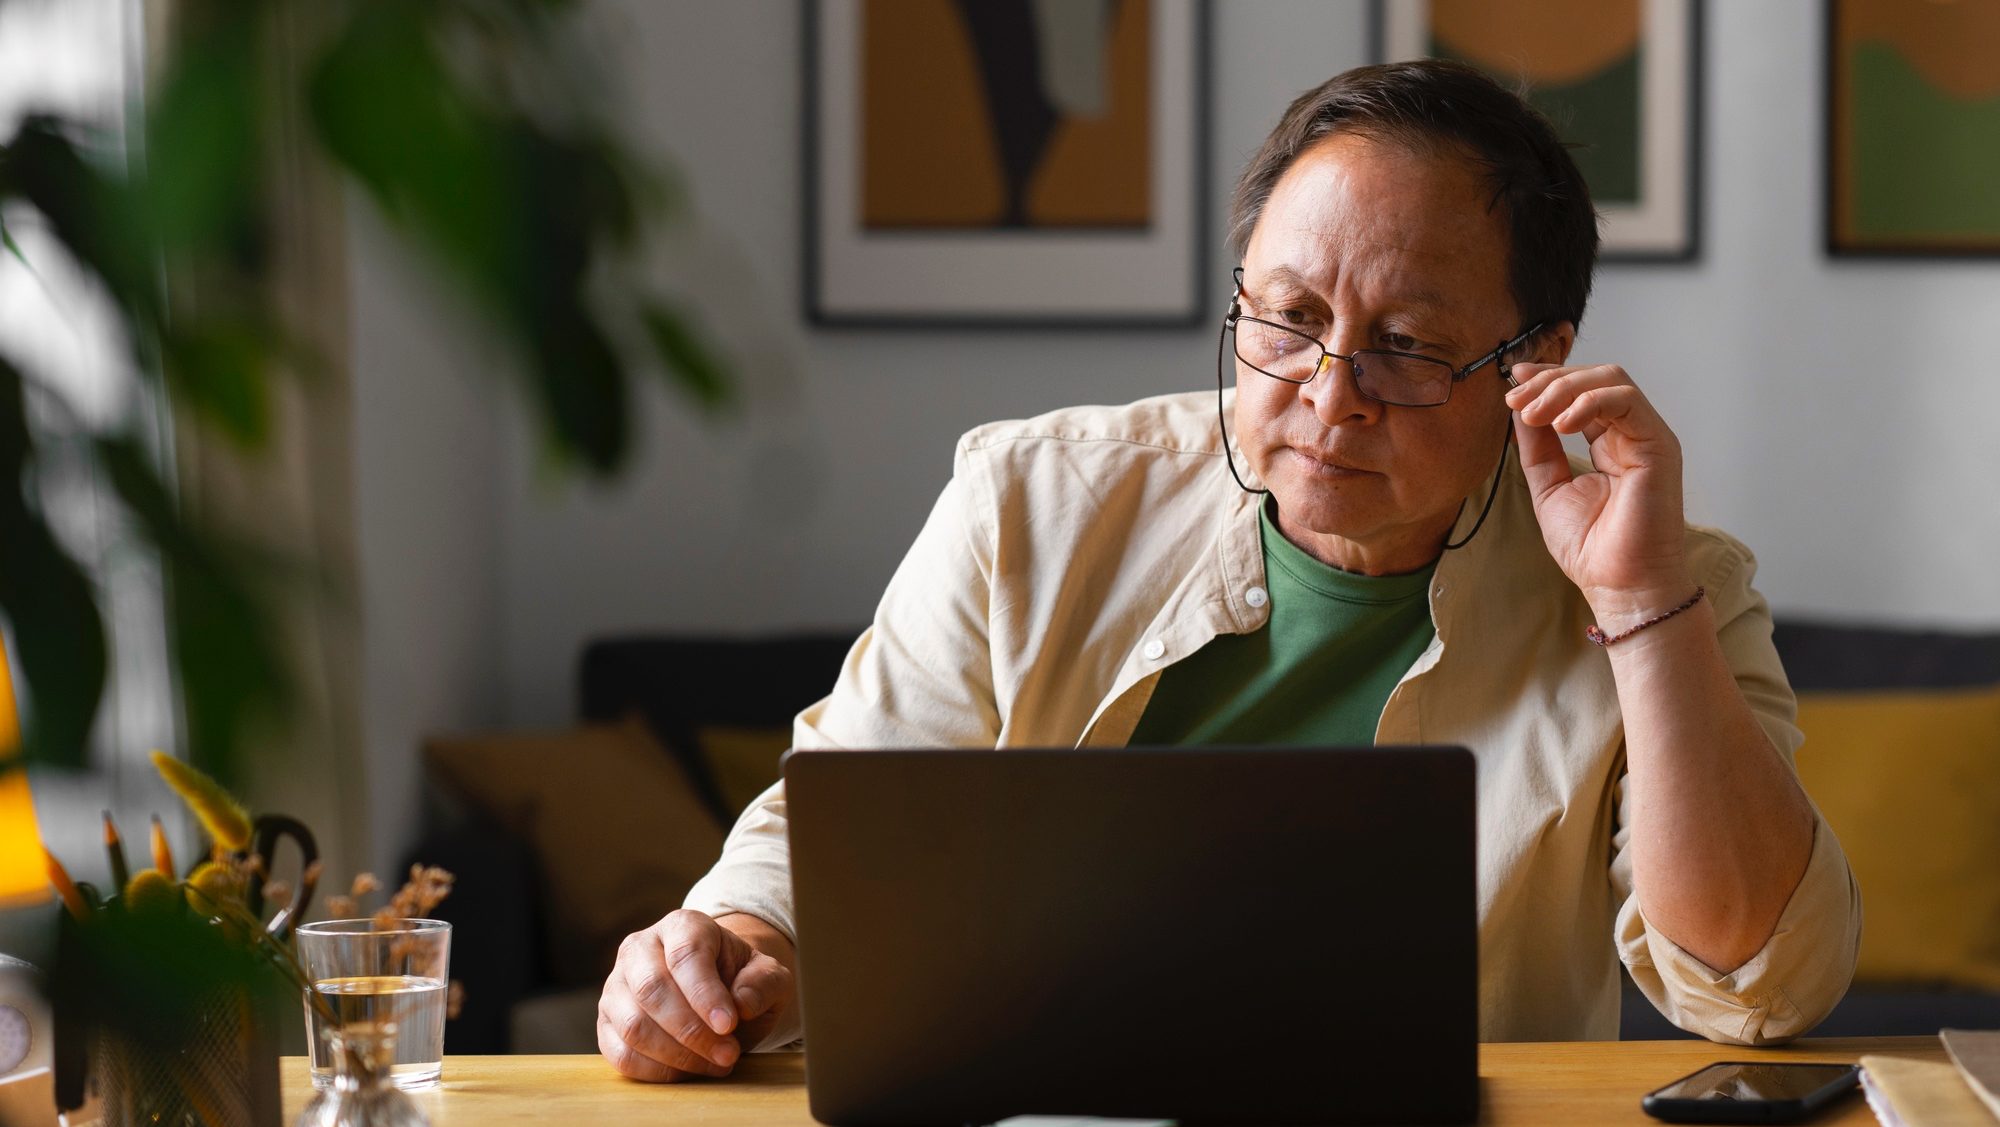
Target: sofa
(678, 733)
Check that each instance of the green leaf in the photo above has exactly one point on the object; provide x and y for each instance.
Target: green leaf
(204, 136)
(600, 186)
(221, 370)
(687, 359)
(224, 643)
(13, 248)
(99, 220)
(582, 387)
(388, 110)
(58, 633)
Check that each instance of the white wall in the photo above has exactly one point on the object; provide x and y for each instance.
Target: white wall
(427, 515)
(1842, 417)
(797, 515)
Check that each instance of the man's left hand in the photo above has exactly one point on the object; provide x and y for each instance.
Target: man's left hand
(1618, 532)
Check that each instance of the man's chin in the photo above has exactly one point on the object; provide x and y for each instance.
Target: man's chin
(1321, 511)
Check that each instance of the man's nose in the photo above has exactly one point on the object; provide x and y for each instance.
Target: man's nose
(1334, 395)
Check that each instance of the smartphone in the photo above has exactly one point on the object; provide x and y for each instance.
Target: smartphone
(1752, 1092)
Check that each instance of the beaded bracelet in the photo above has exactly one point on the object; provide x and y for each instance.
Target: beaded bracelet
(1598, 636)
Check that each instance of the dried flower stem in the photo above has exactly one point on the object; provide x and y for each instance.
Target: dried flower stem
(274, 949)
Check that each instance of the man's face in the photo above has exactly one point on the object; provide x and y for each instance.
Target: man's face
(1368, 244)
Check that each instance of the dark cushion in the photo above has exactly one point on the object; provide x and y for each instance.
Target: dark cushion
(496, 952)
(682, 686)
(618, 834)
(1824, 657)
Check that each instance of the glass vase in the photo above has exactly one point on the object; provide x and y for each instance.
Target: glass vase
(363, 1094)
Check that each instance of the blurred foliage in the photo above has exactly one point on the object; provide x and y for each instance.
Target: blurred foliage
(470, 127)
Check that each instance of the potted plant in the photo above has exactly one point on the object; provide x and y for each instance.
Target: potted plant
(169, 991)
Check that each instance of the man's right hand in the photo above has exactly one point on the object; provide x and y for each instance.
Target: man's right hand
(689, 994)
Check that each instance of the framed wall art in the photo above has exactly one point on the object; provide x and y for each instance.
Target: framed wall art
(1913, 128)
(1620, 78)
(1005, 162)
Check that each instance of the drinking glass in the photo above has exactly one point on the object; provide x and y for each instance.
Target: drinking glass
(372, 974)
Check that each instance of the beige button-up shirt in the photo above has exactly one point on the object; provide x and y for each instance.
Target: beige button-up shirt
(1073, 557)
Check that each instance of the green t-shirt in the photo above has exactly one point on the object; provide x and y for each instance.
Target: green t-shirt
(1317, 674)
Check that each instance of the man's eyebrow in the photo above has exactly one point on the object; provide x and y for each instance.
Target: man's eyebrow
(1420, 299)
(1281, 283)
(1425, 300)
(1288, 277)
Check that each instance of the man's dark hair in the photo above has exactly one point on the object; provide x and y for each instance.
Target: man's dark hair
(1437, 104)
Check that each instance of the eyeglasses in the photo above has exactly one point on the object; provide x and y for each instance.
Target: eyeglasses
(1400, 379)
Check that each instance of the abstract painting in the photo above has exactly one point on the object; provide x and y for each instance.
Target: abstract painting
(1618, 78)
(982, 114)
(1913, 127)
(987, 162)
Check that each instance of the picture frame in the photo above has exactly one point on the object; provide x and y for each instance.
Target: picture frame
(1085, 213)
(1622, 78)
(1912, 130)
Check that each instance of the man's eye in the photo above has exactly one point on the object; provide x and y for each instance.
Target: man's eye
(1303, 320)
(1399, 342)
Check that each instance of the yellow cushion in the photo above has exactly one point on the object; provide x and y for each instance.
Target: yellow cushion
(618, 833)
(1910, 781)
(744, 761)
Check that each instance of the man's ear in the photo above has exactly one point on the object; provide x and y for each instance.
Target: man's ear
(1552, 344)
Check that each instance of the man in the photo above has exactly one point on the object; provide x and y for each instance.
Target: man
(1416, 251)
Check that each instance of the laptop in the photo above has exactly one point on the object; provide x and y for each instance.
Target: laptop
(1210, 935)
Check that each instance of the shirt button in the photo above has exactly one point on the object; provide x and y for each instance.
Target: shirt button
(1256, 597)
(1155, 649)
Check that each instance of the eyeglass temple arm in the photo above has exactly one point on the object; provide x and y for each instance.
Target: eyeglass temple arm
(1506, 371)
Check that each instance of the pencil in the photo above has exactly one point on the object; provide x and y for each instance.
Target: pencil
(163, 857)
(115, 847)
(65, 887)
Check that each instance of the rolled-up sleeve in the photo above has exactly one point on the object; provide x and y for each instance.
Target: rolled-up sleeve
(754, 873)
(1785, 989)
(1804, 968)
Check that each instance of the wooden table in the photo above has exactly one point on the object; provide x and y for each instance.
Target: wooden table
(1578, 1082)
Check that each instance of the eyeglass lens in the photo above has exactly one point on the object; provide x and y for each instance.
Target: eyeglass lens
(1392, 377)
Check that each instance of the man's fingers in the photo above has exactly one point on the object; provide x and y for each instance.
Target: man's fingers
(1623, 408)
(643, 962)
(1527, 377)
(663, 1003)
(622, 1023)
(642, 1061)
(634, 1044)
(1543, 400)
(1599, 404)
(1543, 461)
(694, 949)
(629, 1061)
(761, 986)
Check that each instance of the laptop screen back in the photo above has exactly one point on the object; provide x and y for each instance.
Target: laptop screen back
(1206, 934)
